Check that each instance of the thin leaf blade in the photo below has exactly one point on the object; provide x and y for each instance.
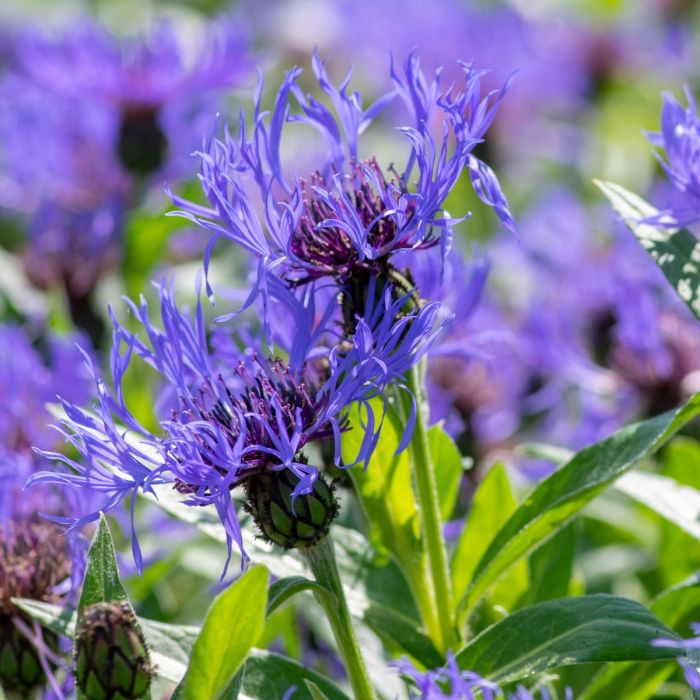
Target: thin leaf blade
(233, 625)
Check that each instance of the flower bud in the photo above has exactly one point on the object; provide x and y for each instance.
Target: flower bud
(111, 661)
(290, 523)
(20, 668)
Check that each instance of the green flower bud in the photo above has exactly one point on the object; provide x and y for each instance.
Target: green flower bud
(111, 660)
(20, 668)
(292, 526)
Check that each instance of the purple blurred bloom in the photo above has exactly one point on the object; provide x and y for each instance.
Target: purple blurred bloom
(36, 560)
(569, 368)
(679, 140)
(226, 414)
(149, 70)
(60, 174)
(156, 95)
(452, 683)
(349, 218)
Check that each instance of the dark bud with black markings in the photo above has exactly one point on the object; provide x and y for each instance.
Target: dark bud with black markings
(111, 659)
(292, 523)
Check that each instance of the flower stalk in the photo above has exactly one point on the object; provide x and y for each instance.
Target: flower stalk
(429, 510)
(321, 561)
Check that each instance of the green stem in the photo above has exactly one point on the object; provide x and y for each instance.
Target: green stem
(429, 506)
(321, 560)
(419, 577)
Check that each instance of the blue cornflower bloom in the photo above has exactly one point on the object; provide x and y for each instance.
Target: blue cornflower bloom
(60, 175)
(36, 560)
(149, 83)
(690, 669)
(350, 217)
(680, 140)
(519, 364)
(228, 415)
(452, 683)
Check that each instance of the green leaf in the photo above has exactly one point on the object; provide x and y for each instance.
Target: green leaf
(231, 628)
(675, 607)
(675, 251)
(449, 468)
(551, 566)
(557, 499)
(566, 631)
(401, 633)
(57, 619)
(315, 691)
(492, 505)
(385, 487)
(283, 589)
(676, 503)
(269, 675)
(101, 582)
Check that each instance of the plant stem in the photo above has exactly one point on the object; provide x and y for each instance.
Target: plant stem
(429, 506)
(321, 560)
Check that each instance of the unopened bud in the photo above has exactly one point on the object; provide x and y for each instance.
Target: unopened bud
(112, 661)
(20, 668)
(298, 524)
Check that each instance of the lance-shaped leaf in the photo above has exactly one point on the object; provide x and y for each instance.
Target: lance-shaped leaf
(676, 251)
(675, 607)
(557, 499)
(101, 583)
(269, 675)
(232, 627)
(566, 631)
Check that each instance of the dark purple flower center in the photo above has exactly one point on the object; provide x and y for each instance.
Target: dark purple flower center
(269, 405)
(328, 250)
(34, 560)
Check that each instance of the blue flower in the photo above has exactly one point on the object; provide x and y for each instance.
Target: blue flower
(225, 413)
(36, 560)
(680, 140)
(87, 59)
(155, 92)
(60, 173)
(690, 670)
(452, 683)
(351, 216)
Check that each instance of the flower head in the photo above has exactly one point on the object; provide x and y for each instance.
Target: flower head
(680, 140)
(228, 416)
(148, 83)
(36, 560)
(352, 215)
(452, 683)
(60, 175)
